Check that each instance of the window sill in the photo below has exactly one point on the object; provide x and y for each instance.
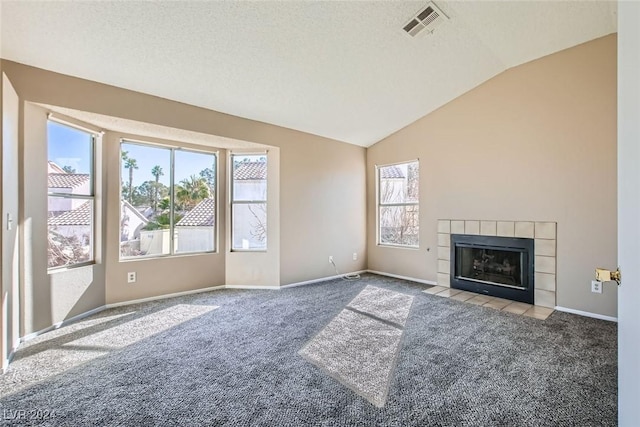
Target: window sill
(63, 268)
(388, 245)
(166, 256)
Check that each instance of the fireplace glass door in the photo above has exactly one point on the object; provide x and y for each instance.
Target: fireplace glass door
(492, 266)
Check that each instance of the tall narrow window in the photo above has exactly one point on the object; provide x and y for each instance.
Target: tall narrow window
(168, 201)
(398, 204)
(249, 202)
(71, 196)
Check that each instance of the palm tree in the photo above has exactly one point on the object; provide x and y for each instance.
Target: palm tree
(156, 171)
(130, 164)
(192, 191)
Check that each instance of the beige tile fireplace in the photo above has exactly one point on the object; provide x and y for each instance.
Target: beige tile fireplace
(544, 234)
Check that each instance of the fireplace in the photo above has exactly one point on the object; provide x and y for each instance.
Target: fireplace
(496, 266)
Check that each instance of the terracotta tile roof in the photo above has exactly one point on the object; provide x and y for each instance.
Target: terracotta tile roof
(250, 171)
(67, 180)
(200, 216)
(78, 216)
(389, 172)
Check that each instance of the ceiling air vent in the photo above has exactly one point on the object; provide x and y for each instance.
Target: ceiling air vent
(427, 19)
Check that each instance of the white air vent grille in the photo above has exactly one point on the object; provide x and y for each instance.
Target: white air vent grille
(428, 19)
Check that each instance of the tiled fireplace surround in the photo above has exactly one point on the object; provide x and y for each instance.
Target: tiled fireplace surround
(543, 233)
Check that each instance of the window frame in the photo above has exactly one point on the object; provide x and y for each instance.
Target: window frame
(172, 232)
(380, 205)
(90, 197)
(233, 202)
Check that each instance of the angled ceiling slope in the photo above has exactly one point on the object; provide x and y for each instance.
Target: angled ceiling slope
(343, 70)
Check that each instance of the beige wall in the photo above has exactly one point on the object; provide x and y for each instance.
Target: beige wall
(322, 207)
(536, 143)
(9, 284)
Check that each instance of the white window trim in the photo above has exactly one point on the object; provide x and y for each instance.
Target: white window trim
(172, 148)
(246, 202)
(92, 187)
(379, 205)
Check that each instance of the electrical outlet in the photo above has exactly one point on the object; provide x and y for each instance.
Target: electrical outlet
(355, 256)
(596, 287)
(131, 277)
(330, 259)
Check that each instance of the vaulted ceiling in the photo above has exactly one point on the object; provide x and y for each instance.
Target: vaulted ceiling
(343, 70)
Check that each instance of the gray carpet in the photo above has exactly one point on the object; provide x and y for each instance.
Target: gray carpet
(238, 365)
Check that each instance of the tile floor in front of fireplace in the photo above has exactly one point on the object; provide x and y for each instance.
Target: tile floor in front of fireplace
(534, 311)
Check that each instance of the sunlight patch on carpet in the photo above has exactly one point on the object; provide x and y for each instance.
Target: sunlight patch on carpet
(56, 352)
(359, 347)
(384, 304)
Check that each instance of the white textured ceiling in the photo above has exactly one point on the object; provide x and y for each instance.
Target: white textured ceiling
(344, 70)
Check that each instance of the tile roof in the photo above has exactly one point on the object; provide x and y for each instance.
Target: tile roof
(200, 216)
(389, 172)
(67, 180)
(78, 216)
(250, 171)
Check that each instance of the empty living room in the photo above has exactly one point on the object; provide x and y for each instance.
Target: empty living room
(320, 213)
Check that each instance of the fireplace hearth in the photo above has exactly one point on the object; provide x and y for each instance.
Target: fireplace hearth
(497, 266)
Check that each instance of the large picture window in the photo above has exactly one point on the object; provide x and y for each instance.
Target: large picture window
(249, 202)
(398, 204)
(71, 196)
(167, 201)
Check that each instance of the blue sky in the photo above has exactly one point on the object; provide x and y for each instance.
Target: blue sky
(70, 147)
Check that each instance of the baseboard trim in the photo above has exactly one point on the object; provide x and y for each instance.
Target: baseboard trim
(258, 287)
(397, 276)
(62, 323)
(165, 296)
(587, 314)
(322, 279)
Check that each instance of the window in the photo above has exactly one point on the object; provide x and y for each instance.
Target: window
(155, 221)
(398, 205)
(249, 202)
(71, 196)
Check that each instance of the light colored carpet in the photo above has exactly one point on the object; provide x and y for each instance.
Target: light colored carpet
(384, 304)
(360, 345)
(58, 351)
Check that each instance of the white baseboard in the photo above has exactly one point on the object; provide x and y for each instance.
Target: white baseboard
(61, 324)
(587, 314)
(322, 279)
(397, 276)
(251, 287)
(165, 296)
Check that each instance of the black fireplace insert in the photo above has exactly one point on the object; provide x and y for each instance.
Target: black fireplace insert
(496, 266)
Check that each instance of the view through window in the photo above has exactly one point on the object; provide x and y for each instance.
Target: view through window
(398, 206)
(249, 202)
(71, 198)
(156, 221)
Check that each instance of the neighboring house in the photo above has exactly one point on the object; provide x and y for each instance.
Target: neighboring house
(146, 211)
(62, 182)
(393, 183)
(195, 231)
(76, 222)
(132, 221)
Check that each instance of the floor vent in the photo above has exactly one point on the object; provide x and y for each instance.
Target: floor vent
(427, 19)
